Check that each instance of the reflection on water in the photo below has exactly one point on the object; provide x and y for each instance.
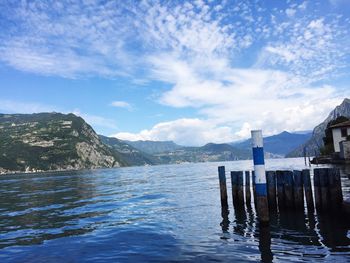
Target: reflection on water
(293, 229)
(153, 214)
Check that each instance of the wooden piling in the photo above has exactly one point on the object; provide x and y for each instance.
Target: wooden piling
(248, 198)
(280, 190)
(271, 189)
(223, 189)
(234, 184)
(288, 188)
(317, 189)
(298, 190)
(308, 190)
(324, 186)
(254, 189)
(335, 190)
(240, 190)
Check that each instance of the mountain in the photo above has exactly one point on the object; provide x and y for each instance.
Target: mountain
(152, 147)
(279, 144)
(51, 141)
(314, 144)
(128, 153)
(210, 152)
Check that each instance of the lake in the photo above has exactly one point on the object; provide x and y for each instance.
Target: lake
(168, 213)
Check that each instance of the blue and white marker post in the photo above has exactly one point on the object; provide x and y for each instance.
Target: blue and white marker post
(260, 176)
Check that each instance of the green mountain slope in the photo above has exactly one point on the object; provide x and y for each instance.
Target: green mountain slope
(51, 141)
(128, 153)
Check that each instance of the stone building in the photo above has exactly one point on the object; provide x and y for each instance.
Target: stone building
(341, 133)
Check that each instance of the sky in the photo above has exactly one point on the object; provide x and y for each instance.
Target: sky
(188, 71)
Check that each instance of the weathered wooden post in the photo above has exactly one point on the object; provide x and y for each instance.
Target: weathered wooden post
(240, 189)
(336, 195)
(280, 190)
(254, 189)
(248, 198)
(223, 189)
(234, 183)
(317, 189)
(308, 190)
(324, 189)
(298, 190)
(288, 188)
(271, 189)
(260, 176)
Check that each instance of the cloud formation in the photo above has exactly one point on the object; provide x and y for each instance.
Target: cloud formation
(122, 104)
(239, 64)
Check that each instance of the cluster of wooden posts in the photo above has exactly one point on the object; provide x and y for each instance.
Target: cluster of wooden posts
(286, 189)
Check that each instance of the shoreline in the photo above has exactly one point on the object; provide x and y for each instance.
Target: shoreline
(100, 168)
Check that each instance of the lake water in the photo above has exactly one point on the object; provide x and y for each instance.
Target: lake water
(167, 213)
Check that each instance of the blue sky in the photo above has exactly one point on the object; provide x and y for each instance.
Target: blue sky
(193, 72)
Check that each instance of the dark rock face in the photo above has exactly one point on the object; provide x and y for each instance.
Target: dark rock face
(51, 141)
(314, 144)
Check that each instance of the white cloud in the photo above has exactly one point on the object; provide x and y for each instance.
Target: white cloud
(290, 12)
(122, 104)
(183, 131)
(68, 39)
(307, 46)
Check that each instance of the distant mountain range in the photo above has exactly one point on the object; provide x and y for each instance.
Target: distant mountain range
(153, 147)
(314, 144)
(210, 152)
(129, 154)
(280, 144)
(55, 141)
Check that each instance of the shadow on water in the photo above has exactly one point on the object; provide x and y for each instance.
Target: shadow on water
(327, 232)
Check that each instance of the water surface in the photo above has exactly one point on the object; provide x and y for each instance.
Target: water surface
(167, 213)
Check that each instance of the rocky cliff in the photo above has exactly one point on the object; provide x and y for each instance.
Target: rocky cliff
(51, 141)
(314, 144)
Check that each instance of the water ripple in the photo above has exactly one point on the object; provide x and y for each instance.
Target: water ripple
(167, 213)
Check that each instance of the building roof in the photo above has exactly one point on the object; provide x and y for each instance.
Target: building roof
(340, 125)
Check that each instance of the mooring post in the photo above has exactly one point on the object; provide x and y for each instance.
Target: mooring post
(240, 189)
(317, 189)
(280, 190)
(223, 189)
(271, 189)
(288, 188)
(324, 188)
(298, 190)
(308, 190)
(260, 176)
(234, 183)
(336, 195)
(248, 198)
